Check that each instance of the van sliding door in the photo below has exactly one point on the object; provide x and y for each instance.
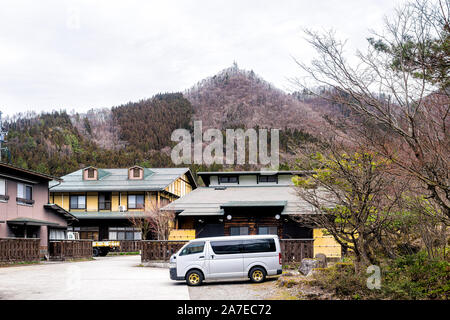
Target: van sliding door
(225, 259)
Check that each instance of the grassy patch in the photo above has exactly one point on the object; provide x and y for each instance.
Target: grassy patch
(17, 263)
(123, 253)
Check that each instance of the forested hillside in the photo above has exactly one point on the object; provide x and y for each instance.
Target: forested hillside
(148, 124)
(59, 143)
(139, 132)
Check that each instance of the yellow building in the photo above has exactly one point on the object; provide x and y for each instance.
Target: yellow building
(103, 200)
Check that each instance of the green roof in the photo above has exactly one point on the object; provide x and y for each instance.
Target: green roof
(155, 179)
(211, 201)
(108, 215)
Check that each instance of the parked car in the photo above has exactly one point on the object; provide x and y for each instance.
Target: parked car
(234, 257)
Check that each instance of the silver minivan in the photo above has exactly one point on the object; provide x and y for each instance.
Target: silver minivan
(235, 257)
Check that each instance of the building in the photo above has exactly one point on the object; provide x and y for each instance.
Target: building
(25, 211)
(247, 203)
(103, 200)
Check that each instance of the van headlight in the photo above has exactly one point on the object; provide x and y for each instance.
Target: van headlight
(172, 261)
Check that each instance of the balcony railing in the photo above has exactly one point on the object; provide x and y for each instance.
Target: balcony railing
(25, 201)
(104, 205)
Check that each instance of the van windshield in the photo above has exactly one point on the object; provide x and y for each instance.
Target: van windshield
(195, 247)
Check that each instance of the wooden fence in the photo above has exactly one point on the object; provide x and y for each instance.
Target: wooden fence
(159, 249)
(292, 250)
(70, 249)
(130, 246)
(19, 249)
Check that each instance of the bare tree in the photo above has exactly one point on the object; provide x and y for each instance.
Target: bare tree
(399, 88)
(353, 197)
(153, 221)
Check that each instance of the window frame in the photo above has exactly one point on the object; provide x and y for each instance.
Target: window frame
(4, 196)
(267, 177)
(138, 171)
(136, 204)
(105, 202)
(23, 198)
(227, 179)
(240, 234)
(89, 171)
(78, 205)
(268, 227)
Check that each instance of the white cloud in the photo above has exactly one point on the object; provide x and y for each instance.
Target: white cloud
(84, 54)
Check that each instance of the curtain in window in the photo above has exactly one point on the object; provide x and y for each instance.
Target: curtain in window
(2, 187)
(20, 190)
(57, 234)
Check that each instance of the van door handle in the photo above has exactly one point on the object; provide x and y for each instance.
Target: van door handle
(212, 256)
(201, 257)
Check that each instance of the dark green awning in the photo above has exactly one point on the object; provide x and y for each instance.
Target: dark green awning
(281, 203)
(31, 222)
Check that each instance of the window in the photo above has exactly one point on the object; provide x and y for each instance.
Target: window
(91, 173)
(57, 234)
(3, 187)
(195, 247)
(228, 179)
(124, 233)
(136, 172)
(135, 201)
(239, 231)
(267, 230)
(24, 193)
(78, 202)
(104, 201)
(259, 245)
(226, 247)
(3, 195)
(268, 178)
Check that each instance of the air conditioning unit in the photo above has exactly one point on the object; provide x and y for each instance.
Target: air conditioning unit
(73, 235)
(122, 208)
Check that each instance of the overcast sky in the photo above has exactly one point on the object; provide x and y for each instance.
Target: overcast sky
(92, 54)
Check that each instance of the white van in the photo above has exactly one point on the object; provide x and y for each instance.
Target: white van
(235, 257)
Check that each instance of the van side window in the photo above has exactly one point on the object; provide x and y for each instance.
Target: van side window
(226, 247)
(259, 245)
(195, 247)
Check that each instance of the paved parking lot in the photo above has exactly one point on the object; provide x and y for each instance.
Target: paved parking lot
(116, 277)
(234, 290)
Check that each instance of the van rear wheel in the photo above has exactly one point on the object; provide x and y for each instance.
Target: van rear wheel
(257, 275)
(194, 278)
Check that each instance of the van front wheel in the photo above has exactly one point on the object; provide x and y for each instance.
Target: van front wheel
(194, 278)
(257, 275)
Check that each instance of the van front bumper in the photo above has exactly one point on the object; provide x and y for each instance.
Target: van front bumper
(173, 274)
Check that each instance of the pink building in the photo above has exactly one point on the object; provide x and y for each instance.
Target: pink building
(24, 208)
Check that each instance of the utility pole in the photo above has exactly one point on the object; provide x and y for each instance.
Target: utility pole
(2, 137)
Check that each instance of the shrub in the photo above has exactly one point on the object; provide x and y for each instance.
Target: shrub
(409, 277)
(417, 277)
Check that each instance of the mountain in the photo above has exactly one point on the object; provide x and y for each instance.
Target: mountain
(139, 132)
(238, 98)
